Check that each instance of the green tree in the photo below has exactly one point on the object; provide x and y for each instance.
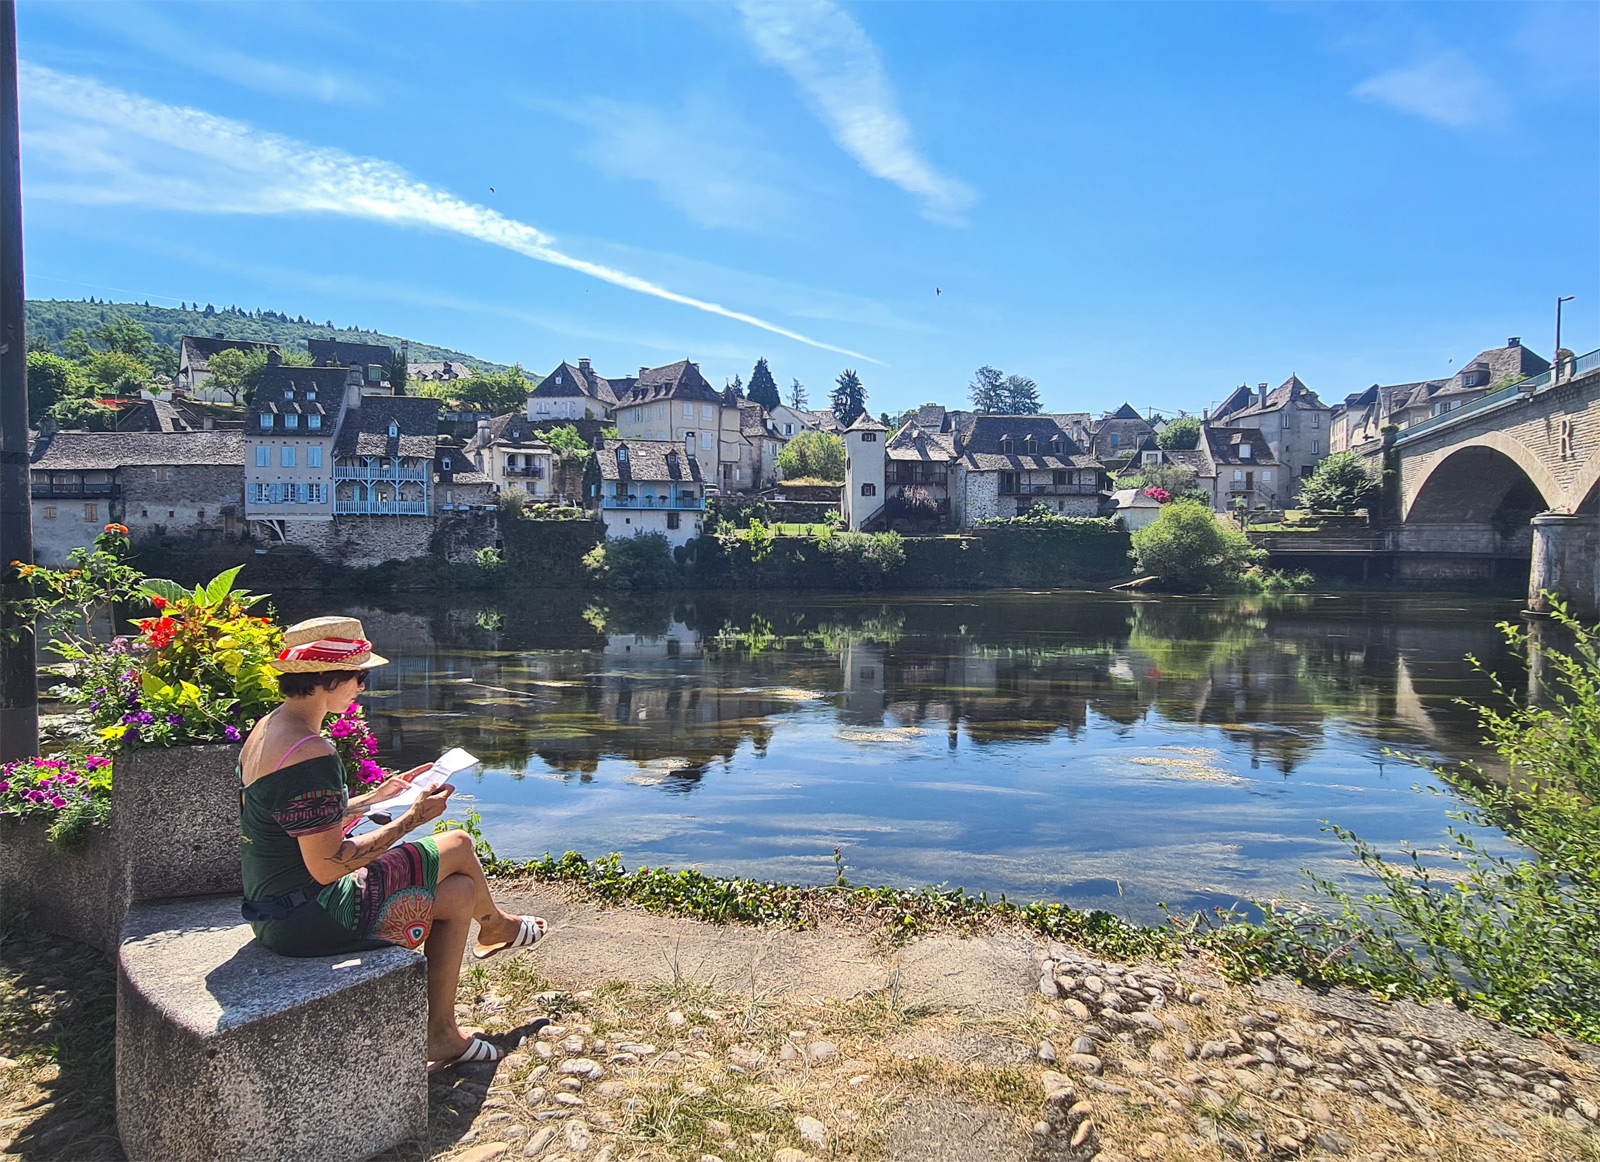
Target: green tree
(127, 338)
(497, 391)
(1175, 478)
(1021, 396)
(76, 345)
(798, 399)
(1189, 548)
(164, 360)
(52, 379)
(763, 388)
(84, 412)
(1341, 483)
(116, 373)
(849, 398)
(397, 373)
(571, 455)
(1181, 435)
(737, 387)
(813, 455)
(988, 389)
(235, 372)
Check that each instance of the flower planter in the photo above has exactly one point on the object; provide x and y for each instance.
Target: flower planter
(174, 832)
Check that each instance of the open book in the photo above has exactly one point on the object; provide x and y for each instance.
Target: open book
(444, 768)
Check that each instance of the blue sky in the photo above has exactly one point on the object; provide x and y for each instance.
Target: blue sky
(1142, 202)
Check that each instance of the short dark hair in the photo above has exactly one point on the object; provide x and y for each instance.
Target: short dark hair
(299, 685)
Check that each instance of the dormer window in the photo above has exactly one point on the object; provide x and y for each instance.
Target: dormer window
(444, 464)
(288, 393)
(558, 379)
(1028, 446)
(266, 421)
(313, 421)
(394, 429)
(311, 396)
(1005, 445)
(1055, 444)
(622, 457)
(672, 462)
(1244, 452)
(291, 421)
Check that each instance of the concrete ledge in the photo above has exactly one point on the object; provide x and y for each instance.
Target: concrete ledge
(228, 1051)
(174, 831)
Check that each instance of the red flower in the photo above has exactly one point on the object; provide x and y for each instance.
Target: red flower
(159, 602)
(159, 631)
(122, 529)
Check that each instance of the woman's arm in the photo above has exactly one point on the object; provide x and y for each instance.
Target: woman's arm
(330, 854)
(387, 789)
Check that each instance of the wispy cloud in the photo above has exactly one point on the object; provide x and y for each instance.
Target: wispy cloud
(837, 68)
(151, 29)
(1446, 89)
(697, 156)
(107, 147)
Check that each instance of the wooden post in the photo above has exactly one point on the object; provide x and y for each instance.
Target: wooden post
(19, 681)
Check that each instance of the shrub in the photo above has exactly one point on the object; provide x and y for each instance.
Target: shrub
(489, 559)
(1342, 484)
(819, 455)
(513, 501)
(863, 560)
(1188, 547)
(637, 562)
(1180, 435)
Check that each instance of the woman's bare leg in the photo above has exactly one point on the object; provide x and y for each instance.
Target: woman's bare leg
(452, 919)
(456, 857)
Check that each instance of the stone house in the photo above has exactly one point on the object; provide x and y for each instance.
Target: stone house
(384, 456)
(1135, 509)
(1364, 414)
(194, 356)
(289, 435)
(763, 443)
(510, 453)
(1006, 464)
(649, 486)
(373, 359)
(677, 405)
(1115, 436)
(1294, 423)
(575, 393)
(919, 460)
(1238, 464)
(458, 486)
(186, 484)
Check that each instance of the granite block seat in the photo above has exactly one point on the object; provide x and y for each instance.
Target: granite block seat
(228, 1051)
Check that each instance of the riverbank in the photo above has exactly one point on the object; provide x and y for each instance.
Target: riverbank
(676, 1039)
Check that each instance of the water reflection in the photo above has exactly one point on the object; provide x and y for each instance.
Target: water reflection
(1090, 747)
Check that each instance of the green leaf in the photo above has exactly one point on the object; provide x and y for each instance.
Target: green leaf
(160, 587)
(221, 585)
(154, 687)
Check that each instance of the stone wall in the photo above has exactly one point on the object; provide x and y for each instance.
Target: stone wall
(199, 502)
(364, 541)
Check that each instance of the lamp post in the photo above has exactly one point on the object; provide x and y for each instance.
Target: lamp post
(1555, 360)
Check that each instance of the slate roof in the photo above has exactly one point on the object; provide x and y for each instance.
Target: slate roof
(1290, 392)
(365, 431)
(824, 420)
(200, 348)
(979, 447)
(1222, 446)
(567, 381)
(158, 415)
(915, 442)
(1133, 498)
(512, 428)
(681, 380)
(437, 371)
(930, 417)
(279, 378)
(647, 461)
(1125, 412)
(462, 477)
(73, 451)
(1194, 459)
(337, 353)
(865, 423)
(754, 421)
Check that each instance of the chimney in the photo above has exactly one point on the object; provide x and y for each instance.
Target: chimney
(274, 359)
(583, 366)
(352, 388)
(1205, 415)
(1514, 341)
(483, 433)
(1261, 388)
(642, 370)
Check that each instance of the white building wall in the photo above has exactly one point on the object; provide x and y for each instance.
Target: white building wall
(563, 407)
(865, 463)
(631, 522)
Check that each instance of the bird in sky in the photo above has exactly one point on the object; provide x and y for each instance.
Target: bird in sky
(937, 292)
(491, 189)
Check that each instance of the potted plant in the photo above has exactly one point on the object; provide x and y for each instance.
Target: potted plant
(139, 799)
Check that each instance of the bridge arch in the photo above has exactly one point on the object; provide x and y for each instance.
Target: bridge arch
(1585, 493)
(1478, 479)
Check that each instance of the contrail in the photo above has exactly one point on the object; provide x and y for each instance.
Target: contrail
(102, 137)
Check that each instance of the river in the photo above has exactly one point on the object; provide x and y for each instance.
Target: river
(1102, 750)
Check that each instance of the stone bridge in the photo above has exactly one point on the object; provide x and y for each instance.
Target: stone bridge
(1509, 479)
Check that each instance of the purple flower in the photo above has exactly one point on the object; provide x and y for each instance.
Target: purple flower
(93, 706)
(231, 733)
(95, 762)
(36, 797)
(175, 719)
(57, 802)
(4, 786)
(132, 734)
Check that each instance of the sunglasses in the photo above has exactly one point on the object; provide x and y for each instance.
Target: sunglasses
(361, 679)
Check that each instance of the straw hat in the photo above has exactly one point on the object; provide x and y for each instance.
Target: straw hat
(326, 643)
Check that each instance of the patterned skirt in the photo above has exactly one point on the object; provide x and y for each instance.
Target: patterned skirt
(391, 899)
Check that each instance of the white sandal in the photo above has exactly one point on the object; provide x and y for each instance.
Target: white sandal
(477, 1051)
(532, 930)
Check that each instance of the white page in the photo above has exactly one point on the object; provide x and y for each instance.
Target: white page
(444, 768)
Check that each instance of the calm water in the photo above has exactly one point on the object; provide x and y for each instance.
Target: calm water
(1091, 748)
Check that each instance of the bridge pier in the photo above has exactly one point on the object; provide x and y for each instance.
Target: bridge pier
(1566, 563)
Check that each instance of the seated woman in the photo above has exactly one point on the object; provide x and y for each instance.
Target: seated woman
(311, 890)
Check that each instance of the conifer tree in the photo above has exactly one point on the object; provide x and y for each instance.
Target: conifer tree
(799, 400)
(849, 398)
(988, 389)
(763, 388)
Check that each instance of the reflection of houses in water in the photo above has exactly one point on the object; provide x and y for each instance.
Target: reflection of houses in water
(677, 641)
(861, 702)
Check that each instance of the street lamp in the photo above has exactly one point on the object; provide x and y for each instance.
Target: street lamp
(1555, 360)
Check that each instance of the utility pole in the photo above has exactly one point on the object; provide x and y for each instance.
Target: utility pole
(19, 679)
(1555, 360)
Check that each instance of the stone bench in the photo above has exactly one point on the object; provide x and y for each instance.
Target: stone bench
(228, 1051)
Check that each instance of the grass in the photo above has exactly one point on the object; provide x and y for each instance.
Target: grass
(782, 529)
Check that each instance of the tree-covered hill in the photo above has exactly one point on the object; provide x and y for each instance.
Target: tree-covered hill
(51, 319)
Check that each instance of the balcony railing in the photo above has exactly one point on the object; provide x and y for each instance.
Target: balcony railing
(1053, 490)
(345, 472)
(681, 503)
(380, 508)
(1522, 388)
(938, 478)
(526, 473)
